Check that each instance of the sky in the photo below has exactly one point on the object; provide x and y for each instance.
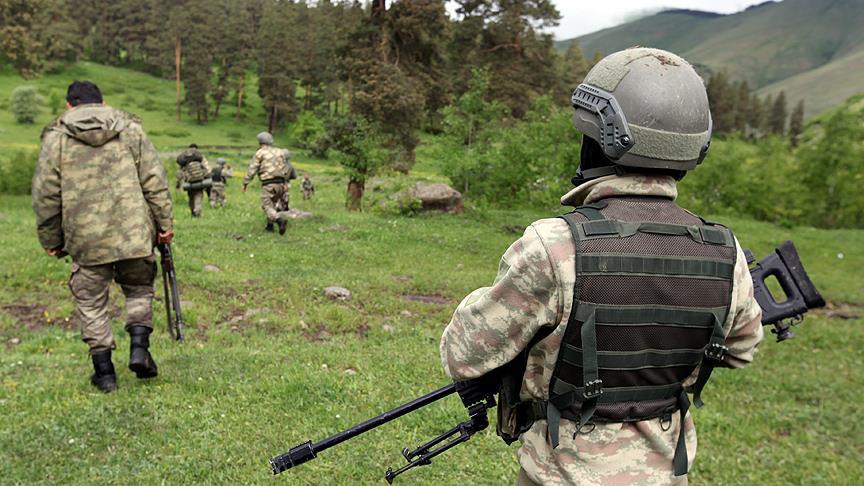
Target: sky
(583, 17)
(586, 16)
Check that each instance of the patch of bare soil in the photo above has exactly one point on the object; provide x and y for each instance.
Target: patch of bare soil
(317, 335)
(426, 299)
(34, 316)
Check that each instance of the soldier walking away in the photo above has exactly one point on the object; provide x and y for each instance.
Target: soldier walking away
(307, 187)
(624, 305)
(269, 165)
(194, 177)
(219, 175)
(101, 195)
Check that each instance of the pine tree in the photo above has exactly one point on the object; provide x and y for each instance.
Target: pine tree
(777, 118)
(575, 66)
(721, 98)
(277, 63)
(796, 123)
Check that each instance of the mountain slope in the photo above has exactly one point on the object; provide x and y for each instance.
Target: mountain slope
(772, 45)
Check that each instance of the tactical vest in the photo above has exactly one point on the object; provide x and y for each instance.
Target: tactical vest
(194, 171)
(216, 175)
(653, 289)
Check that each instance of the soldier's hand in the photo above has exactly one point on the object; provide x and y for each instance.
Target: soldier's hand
(56, 252)
(165, 238)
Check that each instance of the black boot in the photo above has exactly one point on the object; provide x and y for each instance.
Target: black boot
(282, 225)
(104, 377)
(269, 227)
(140, 360)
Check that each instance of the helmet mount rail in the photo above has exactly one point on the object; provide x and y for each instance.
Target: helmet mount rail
(615, 137)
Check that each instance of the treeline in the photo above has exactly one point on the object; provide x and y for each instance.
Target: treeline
(736, 110)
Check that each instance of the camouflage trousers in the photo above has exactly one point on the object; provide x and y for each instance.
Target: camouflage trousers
(274, 200)
(307, 194)
(217, 195)
(523, 480)
(196, 200)
(89, 286)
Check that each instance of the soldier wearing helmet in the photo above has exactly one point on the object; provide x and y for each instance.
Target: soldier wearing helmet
(270, 166)
(621, 308)
(220, 175)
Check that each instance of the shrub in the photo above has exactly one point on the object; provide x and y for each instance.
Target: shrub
(16, 172)
(307, 130)
(149, 104)
(25, 104)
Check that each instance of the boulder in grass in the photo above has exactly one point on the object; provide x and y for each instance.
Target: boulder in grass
(337, 293)
(297, 214)
(437, 197)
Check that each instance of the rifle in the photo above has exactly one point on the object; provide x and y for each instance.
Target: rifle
(478, 395)
(172, 293)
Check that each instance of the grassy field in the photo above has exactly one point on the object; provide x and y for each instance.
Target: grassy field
(270, 362)
(150, 98)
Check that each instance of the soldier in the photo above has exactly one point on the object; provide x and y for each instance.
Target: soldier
(194, 177)
(622, 306)
(269, 165)
(219, 175)
(100, 194)
(307, 186)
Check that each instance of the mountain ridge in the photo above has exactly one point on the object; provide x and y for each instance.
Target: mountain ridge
(772, 45)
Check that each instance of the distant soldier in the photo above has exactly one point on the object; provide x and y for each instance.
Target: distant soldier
(194, 177)
(307, 187)
(100, 194)
(270, 166)
(219, 175)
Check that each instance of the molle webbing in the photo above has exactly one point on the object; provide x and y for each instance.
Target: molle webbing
(639, 354)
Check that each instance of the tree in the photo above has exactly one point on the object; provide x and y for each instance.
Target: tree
(360, 153)
(777, 117)
(277, 63)
(25, 104)
(721, 98)
(509, 41)
(796, 123)
(575, 65)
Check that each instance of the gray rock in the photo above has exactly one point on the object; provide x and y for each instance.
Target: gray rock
(337, 293)
(211, 268)
(438, 197)
(297, 214)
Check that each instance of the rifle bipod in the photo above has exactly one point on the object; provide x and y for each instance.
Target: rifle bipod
(422, 456)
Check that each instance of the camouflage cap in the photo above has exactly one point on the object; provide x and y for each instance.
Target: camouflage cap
(265, 138)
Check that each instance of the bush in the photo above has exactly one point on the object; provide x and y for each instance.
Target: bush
(235, 136)
(308, 130)
(16, 172)
(25, 104)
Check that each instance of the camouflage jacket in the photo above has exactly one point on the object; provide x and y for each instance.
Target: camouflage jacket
(267, 163)
(100, 190)
(533, 289)
(307, 185)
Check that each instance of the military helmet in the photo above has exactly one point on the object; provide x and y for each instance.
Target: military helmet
(286, 153)
(220, 161)
(264, 138)
(645, 108)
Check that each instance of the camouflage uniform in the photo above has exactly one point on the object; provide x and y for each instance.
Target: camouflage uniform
(307, 187)
(220, 174)
(100, 193)
(534, 288)
(185, 174)
(269, 165)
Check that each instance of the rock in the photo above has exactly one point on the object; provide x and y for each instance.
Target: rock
(297, 214)
(388, 328)
(406, 313)
(211, 268)
(337, 293)
(402, 278)
(350, 371)
(438, 197)
(15, 341)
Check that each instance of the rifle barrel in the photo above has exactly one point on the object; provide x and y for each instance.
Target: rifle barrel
(307, 451)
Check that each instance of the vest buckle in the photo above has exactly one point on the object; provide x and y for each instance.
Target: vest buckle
(716, 351)
(593, 389)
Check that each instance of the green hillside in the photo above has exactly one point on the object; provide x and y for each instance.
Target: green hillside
(149, 97)
(810, 47)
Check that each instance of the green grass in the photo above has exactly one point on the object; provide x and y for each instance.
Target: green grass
(264, 367)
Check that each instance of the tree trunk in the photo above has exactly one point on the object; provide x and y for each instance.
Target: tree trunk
(177, 54)
(273, 114)
(354, 201)
(239, 97)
